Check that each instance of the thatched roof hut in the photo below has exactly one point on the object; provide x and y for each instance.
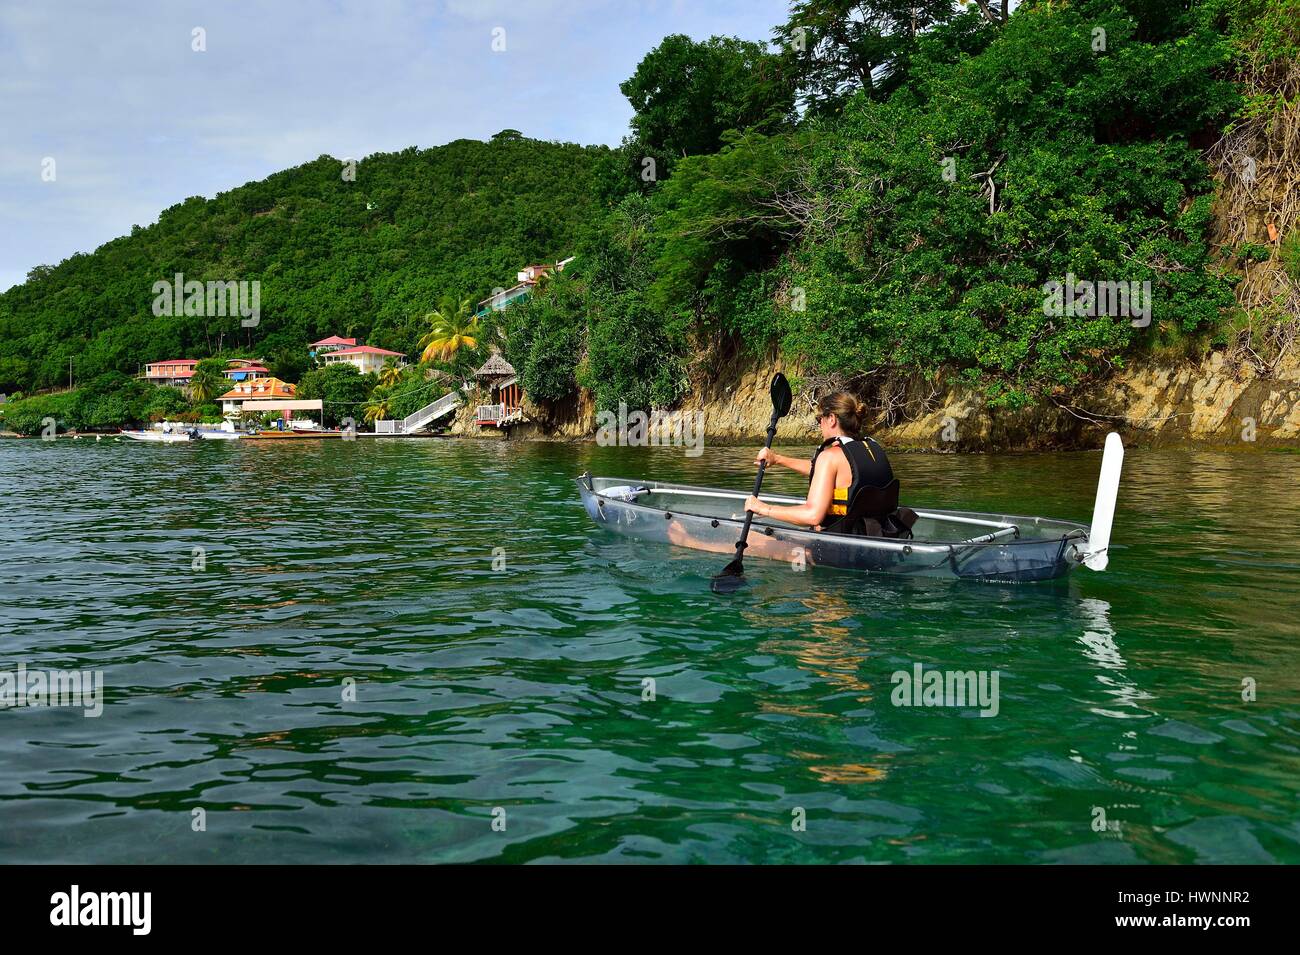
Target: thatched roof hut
(495, 367)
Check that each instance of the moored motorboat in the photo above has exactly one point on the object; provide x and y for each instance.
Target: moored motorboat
(159, 437)
(181, 436)
(945, 543)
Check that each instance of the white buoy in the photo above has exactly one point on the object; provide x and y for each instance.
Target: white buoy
(1103, 511)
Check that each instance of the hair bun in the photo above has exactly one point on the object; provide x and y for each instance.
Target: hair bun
(847, 408)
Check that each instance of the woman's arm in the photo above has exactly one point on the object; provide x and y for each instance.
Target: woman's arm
(802, 465)
(812, 511)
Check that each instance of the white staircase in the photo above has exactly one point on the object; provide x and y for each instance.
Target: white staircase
(421, 419)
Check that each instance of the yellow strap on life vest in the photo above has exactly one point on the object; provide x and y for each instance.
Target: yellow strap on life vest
(840, 502)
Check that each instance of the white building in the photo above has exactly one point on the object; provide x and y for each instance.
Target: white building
(366, 358)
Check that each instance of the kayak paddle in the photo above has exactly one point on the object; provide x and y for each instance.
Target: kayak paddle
(732, 577)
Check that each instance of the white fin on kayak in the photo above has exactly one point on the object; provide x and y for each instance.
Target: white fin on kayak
(1103, 511)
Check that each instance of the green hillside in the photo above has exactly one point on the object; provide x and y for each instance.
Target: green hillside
(363, 258)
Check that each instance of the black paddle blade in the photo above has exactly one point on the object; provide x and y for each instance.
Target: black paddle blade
(781, 395)
(730, 579)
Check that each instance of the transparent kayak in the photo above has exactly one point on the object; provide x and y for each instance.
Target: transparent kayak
(956, 544)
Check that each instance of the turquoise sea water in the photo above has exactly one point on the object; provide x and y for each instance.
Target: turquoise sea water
(516, 694)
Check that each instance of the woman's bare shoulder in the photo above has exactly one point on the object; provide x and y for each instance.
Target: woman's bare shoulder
(837, 460)
(834, 452)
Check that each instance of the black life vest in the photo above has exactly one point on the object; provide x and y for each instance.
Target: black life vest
(869, 505)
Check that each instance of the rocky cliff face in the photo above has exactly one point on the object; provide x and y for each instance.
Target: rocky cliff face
(1212, 403)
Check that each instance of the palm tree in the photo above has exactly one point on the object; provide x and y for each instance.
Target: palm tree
(451, 327)
(390, 374)
(209, 380)
(377, 410)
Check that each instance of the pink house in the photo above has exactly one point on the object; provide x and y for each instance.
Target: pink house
(331, 344)
(178, 371)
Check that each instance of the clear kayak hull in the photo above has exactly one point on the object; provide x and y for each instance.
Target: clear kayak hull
(955, 544)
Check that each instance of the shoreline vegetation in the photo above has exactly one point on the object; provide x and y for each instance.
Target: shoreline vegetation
(735, 441)
(1002, 231)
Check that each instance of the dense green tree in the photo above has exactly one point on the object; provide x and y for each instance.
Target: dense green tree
(108, 401)
(545, 336)
(343, 390)
(833, 48)
(687, 94)
(28, 415)
(918, 233)
(165, 403)
(740, 206)
(13, 372)
(289, 364)
(596, 326)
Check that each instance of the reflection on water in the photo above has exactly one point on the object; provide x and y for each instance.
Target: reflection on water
(822, 643)
(525, 686)
(1125, 698)
(845, 773)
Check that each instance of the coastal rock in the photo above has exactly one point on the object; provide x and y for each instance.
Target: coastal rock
(1215, 402)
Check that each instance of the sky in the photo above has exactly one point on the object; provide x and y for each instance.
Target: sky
(108, 113)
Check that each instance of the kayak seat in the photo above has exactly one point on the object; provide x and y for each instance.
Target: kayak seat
(875, 513)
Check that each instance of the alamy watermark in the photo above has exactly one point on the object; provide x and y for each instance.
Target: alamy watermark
(656, 429)
(956, 688)
(129, 909)
(22, 687)
(1079, 299)
(210, 299)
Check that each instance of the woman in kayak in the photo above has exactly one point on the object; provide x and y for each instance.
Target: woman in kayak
(845, 466)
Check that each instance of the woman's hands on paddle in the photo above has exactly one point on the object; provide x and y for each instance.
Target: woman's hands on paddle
(754, 504)
(765, 454)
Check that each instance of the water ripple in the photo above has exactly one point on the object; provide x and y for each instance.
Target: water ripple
(381, 649)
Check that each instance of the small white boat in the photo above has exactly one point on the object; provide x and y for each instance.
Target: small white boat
(178, 435)
(220, 435)
(160, 437)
